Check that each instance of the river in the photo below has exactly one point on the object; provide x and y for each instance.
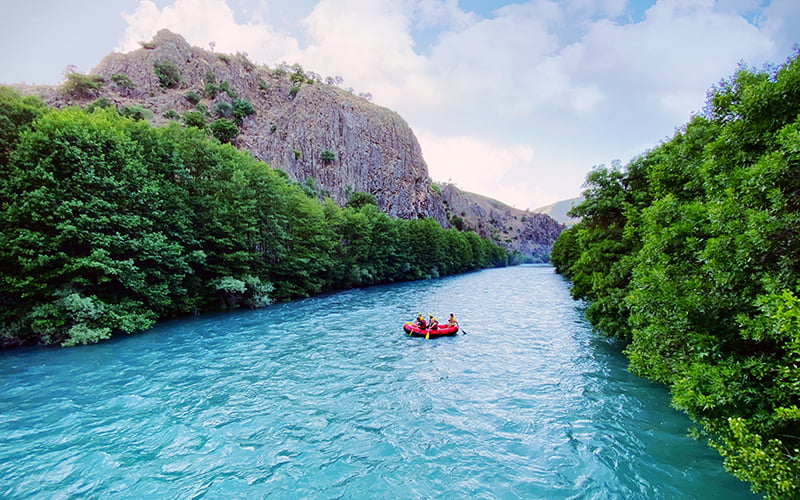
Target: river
(327, 398)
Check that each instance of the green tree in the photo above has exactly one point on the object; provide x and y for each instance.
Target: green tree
(358, 199)
(80, 255)
(194, 119)
(110, 224)
(224, 130)
(16, 113)
(694, 250)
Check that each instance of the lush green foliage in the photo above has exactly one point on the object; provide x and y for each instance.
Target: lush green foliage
(242, 108)
(692, 254)
(327, 156)
(224, 130)
(136, 112)
(83, 86)
(110, 224)
(358, 199)
(16, 113)
(123, 81)
(193, 97)
(195, 118)
(168, 73)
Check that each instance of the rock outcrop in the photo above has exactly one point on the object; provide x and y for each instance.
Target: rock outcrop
(530, 233)
(307, 128)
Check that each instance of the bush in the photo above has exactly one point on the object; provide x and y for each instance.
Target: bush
(226, 87)
(123, 81)
(457, 222)
(101, 103)
(194, 119)
(242, 109)
(168, 73)
(223, 109)
(359, 199)
(192, 97)
(79, 85)
(136, 112)
(224, 130)
(327, 156)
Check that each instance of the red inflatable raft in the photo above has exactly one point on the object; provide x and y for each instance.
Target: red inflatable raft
(441, 331)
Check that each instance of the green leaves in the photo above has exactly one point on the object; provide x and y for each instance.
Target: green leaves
(110, 224)
(692, 254)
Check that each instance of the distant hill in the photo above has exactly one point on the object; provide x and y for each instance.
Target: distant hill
(559, 209)
(524, 230)
(319, 134)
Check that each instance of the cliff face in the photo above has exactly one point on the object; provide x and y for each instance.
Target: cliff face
(298, 122)
(532, 234)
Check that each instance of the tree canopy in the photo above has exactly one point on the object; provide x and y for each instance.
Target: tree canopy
(110, 224)
(691, 253)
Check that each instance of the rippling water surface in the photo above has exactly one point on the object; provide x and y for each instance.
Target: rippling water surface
(326, 398)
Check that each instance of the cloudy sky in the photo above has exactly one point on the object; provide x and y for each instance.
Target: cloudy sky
(516, 100)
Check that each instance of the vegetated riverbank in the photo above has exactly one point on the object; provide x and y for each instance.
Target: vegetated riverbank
(110, 224)
(326, 397)
(691, 253)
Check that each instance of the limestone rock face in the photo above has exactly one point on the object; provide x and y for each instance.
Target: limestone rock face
(530, 233)
(374, 149)
(305, 127)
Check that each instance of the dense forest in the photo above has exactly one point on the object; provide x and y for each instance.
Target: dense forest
(109, 224)
(691, 253)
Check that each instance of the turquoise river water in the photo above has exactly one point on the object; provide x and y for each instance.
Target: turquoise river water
(327, 398)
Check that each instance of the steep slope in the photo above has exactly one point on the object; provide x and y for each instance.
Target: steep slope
(559, 209)
(316, 132)
(528, 232)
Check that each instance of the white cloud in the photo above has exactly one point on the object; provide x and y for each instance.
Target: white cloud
(668, 61)
(576, 81)
(201, 22)
(368, 42)
(500, 171)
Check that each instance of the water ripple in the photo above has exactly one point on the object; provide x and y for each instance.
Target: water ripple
(326, 398)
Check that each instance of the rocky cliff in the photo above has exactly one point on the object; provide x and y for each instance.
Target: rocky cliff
(532, 234)
(309, 128)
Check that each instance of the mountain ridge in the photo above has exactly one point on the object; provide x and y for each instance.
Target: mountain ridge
(336, 142)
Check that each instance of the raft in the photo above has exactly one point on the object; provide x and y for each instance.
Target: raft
(441, 331)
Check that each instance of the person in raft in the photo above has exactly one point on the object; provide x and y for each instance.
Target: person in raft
(432, 324)
(452, 320)
(420, 322)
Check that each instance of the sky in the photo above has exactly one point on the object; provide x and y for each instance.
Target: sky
(516, 100)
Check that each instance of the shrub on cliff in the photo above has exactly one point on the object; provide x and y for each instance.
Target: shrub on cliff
(242, 108)
(224, 130)
(82, 86)
(123, 81)
(327, 156)
(195, 119)
(168, 73)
